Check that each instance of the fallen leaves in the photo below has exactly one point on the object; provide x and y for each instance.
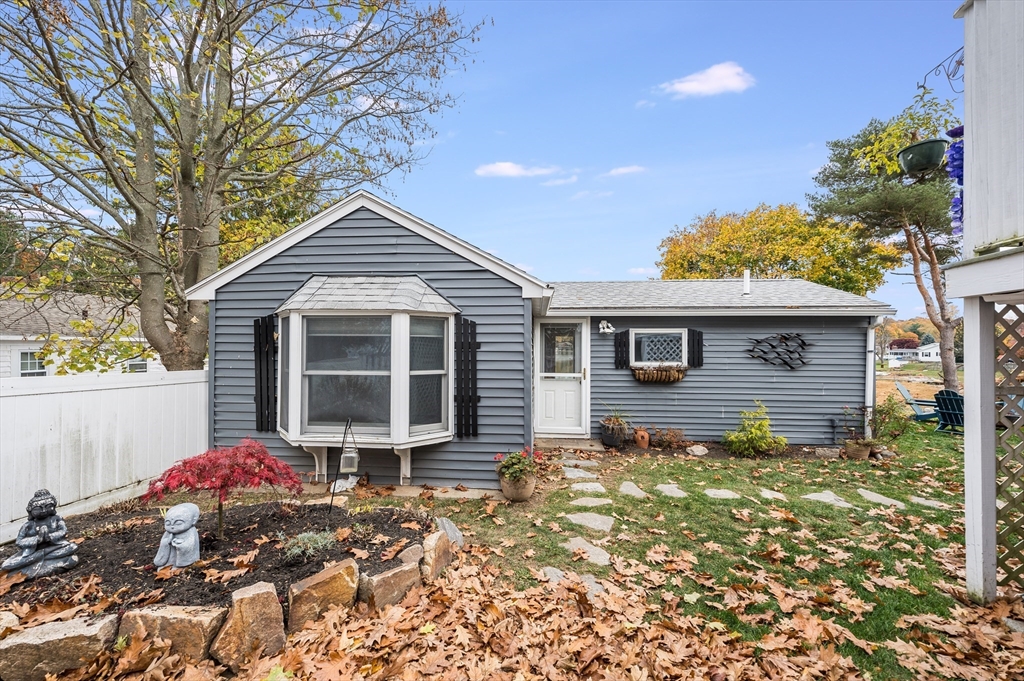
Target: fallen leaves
(393, 550)
(8, 580)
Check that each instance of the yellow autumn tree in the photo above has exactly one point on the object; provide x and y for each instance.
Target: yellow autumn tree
(773, 243)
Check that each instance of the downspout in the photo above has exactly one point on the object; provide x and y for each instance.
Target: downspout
(869, 375)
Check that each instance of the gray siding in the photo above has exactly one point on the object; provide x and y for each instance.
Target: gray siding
(708, 400)
(368, 244)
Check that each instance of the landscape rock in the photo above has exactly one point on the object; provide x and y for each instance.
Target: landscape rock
(828, 497)
(697, 450)
(412, 554)
(879, 499)
(553, 574)
(590, 501)
(593, 587)
(255, 620)
(772, 494)
(54, 647)
(389, 587)
(671, 490)
(589, 487)
(595, 554)
(630, 488)
(454, 533)
(1014, 625)
(8, 619)
(579, 463)
(437, 555)
(594, 521)
(721, 494)
(190, 629)
(827, 452)
(577, 473)
(311, 597)
(931, 503)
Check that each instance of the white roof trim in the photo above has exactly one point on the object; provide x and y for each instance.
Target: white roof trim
(721, 312)
(207, 288)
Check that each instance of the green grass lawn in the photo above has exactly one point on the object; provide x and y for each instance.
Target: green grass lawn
(750, 562)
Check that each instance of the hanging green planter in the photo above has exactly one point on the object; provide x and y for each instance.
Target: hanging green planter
(922, 157)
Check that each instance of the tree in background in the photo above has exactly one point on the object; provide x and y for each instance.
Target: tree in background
(773, 243)
(861, 186)
(131, 130)
(905, 344)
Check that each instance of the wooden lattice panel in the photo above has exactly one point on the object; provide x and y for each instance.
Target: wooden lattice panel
(1010, 444)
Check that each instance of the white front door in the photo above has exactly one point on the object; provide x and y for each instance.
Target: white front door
(562, 352)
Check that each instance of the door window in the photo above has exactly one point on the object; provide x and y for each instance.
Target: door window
(561, 348)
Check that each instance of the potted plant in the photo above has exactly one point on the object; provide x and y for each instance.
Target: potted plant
(614, 427)
(922, 157)
(517, 473)
(858, 449)
(641, 437)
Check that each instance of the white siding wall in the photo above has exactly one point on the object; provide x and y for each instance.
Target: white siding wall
(93, 440)
(994, 110)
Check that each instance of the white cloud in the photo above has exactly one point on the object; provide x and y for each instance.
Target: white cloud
(725, 77)
(645, 271)
(509, 169)
(560, 181)
(523, 267)
(645, 104)
(624, 170)
(589, 195)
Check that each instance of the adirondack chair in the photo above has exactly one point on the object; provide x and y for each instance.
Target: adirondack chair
(949, 404)
(916, 404)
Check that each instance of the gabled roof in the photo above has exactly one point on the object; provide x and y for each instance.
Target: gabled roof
(207, 288)
(408, 293)
(31, 317)
(708, 297)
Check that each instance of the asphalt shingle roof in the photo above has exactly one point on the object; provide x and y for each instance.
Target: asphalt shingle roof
(30, 318)
(707, 294)
(368, 293)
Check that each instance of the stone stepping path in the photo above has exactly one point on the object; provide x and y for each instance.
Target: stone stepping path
(555, 575)
(722, 494)
(596, 554)
(772, 494)
(671, 491)
(632, 490)
(930, 503)
(829, 497)
(590, 501)
(577, 473)
(589, 487)
(579, 463)
(594, 521)
(879, 499)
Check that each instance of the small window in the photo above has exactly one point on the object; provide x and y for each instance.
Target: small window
(657, 347)
(138, 366)
(31, 365)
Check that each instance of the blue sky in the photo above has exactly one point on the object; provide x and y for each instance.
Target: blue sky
(587, 131)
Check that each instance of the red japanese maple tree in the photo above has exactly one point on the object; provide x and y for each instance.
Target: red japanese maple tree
(222, 472)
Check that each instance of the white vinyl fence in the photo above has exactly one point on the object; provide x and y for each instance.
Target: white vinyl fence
(94, 439)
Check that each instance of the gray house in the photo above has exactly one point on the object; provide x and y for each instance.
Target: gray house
(443, 355)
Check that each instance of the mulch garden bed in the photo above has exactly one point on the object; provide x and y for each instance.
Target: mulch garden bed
(118, 548)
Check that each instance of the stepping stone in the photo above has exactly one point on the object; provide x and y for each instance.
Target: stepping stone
(772, 494)
(579, 463)
(594, 521)
(589, 501)
(930, 503)
(671, 491)
(879, 499)
(1014, 625)
(632, 490)
(697, 450)
(721, 494)
(553, 574)
(594, 588)
(575, 473)
(589, 487)
(829, 497)
(597, 555)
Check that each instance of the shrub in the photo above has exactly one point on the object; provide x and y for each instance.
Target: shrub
(754, 436)
(889, 419)
(308, 545)
(517, 465)
(222, 472)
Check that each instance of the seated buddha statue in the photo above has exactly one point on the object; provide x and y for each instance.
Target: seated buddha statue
(45, 549)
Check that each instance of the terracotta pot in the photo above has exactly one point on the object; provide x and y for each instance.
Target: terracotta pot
(518, 490)
(642, 438)
(857, 452)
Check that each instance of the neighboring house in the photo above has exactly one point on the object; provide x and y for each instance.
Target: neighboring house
(923, 353)
(445, 355)
(25, 323)
(990, 279)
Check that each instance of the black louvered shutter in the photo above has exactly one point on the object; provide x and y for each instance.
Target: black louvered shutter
(466, 396)
(264, 353)
(695, 348)
(622, 350)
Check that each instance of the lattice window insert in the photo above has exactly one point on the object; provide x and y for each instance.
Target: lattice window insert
(652, 347)
(782, 349)
(1010, 444)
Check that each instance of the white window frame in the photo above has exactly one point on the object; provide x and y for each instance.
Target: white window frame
(34, 373)
(662, 332)
(402, 434)
(143, 364)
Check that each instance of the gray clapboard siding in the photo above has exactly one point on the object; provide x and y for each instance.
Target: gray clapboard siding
(708, 400)
(364, 243)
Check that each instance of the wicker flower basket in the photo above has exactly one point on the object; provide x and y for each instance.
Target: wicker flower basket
(658, 374)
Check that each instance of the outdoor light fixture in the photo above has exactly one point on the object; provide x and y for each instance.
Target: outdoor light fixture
(349, 462)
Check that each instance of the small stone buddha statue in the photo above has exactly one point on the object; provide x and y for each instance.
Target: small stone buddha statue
(179, 547)
(42, 539)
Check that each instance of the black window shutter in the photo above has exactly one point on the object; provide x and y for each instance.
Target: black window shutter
(264, 354)
(467, 396)
(622, 350)
(695, 348)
